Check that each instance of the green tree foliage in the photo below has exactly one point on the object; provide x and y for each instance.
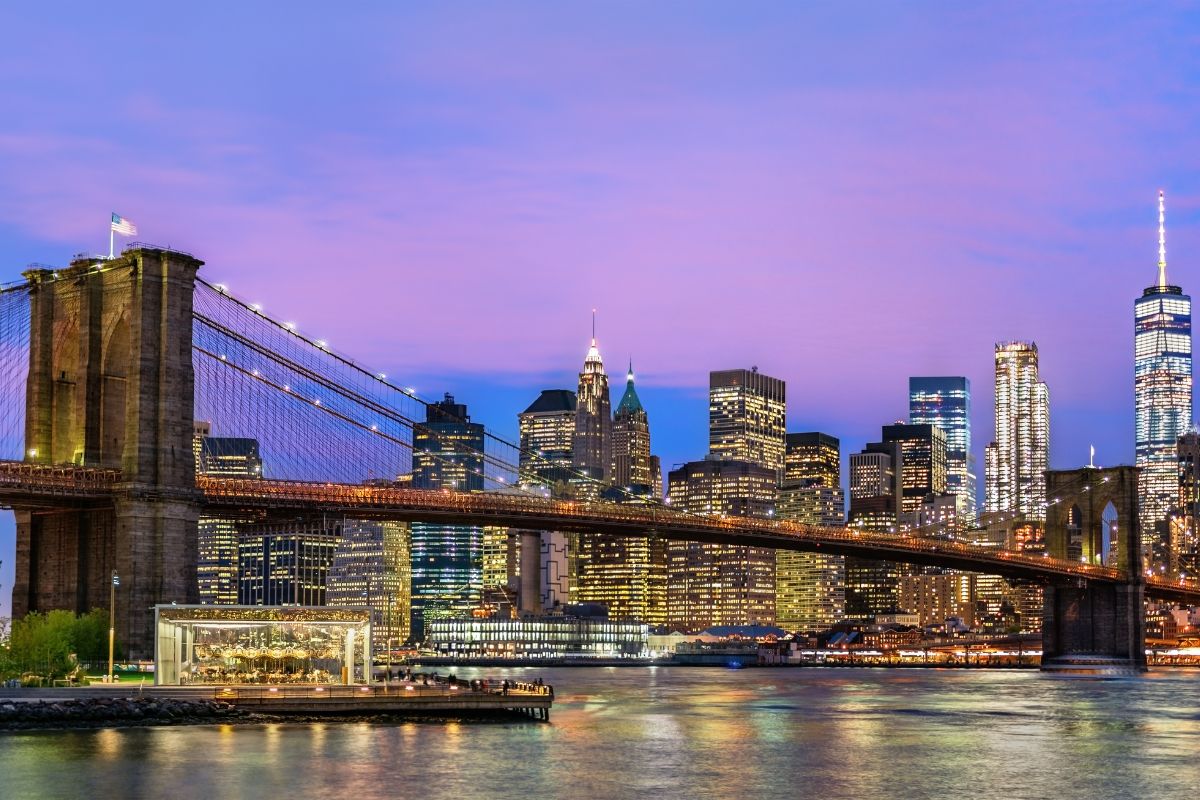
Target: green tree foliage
(51, 644)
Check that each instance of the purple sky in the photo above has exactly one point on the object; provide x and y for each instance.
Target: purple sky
(844, 197)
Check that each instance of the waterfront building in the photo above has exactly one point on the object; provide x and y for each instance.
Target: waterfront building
(250, 644)
(747, 418)
(719, 584)
(286, 562)
(922, 459)
(548, 637)
(1016, 461)
(372, 568)
(216, 536)
(875, 475)
(938, 596)
(446, 559)
(945, 401)
(810, 587)
(1162, 388)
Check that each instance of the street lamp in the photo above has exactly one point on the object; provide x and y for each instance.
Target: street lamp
(112, 620)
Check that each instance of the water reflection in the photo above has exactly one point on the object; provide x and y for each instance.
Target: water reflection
(672, 732)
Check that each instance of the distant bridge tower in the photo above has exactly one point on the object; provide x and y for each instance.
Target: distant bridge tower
(111, 385)
(1095, 626)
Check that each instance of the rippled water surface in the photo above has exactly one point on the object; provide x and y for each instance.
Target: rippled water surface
(679, 732)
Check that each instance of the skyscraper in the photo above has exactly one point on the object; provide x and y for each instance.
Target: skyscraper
(286, 562)
(547, 460)
(547, 430)
(216, 537)
(1162, 390)
(810, 587)
(923, 462)
(592, 452)
(875, 491)
(747, 413)
(446, 559)
(372, 568)
(1017, 459)
(1185, 521)
(946, 403)
(632, 466)
(626, 574)
(721, 584)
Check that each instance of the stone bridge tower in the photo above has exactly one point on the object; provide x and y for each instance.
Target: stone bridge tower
(1090, 625)
(111, 385)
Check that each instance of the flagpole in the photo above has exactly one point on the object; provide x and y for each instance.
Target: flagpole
(110, 240)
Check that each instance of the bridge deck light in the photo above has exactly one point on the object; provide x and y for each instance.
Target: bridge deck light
(256, 308)
(291, 326)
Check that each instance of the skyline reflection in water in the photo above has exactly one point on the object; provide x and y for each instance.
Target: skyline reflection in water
(678, 732)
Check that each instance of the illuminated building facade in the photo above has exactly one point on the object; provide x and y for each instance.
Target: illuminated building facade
(499, 566)
(547, 460)
(592, 451)
(372, 568)
(935, 597)
(1016, 461)
(547, 430)
(922, 462)
(627, 575)
(633, 468)
(810, 587)
(945, 402)
(446, 559)
(718, 584)
(286, 563)
(871, 585)
(216, 537)
(1162, 388)
(538, 637)
(1185, 540)
(747, 418)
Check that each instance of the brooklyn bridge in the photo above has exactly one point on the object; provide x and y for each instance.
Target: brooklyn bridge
(107, 363)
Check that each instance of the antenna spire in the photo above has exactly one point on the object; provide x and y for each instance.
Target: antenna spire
(594, 323)
(1162, 242)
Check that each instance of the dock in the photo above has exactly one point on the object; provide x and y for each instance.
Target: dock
(439, 699)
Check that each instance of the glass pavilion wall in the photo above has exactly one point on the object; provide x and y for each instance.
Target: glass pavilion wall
(260, 645)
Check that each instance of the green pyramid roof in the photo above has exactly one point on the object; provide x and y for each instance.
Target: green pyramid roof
(629, 401)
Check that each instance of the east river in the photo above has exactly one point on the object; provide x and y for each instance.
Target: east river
(678, 733)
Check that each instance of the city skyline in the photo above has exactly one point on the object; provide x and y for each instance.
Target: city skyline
(890, 242)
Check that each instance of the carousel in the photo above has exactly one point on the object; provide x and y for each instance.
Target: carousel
(261, 645)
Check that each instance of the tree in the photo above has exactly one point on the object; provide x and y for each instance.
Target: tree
(51, 644)
(91, 636)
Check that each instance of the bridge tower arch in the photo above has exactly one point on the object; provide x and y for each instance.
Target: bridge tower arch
(1092, 626)
(111, 385)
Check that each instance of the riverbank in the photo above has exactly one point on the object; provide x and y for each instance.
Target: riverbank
(431, 699)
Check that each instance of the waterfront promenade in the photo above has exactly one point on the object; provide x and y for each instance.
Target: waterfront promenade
(440, 697)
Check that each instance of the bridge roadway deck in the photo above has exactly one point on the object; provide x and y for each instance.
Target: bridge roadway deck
(37, 486)
(628, 519)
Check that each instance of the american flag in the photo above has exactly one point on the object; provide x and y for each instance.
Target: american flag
(123, 226)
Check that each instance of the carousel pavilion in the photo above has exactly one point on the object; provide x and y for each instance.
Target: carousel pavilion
(261, 645)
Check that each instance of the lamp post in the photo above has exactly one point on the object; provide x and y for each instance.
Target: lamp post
(112, 620)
